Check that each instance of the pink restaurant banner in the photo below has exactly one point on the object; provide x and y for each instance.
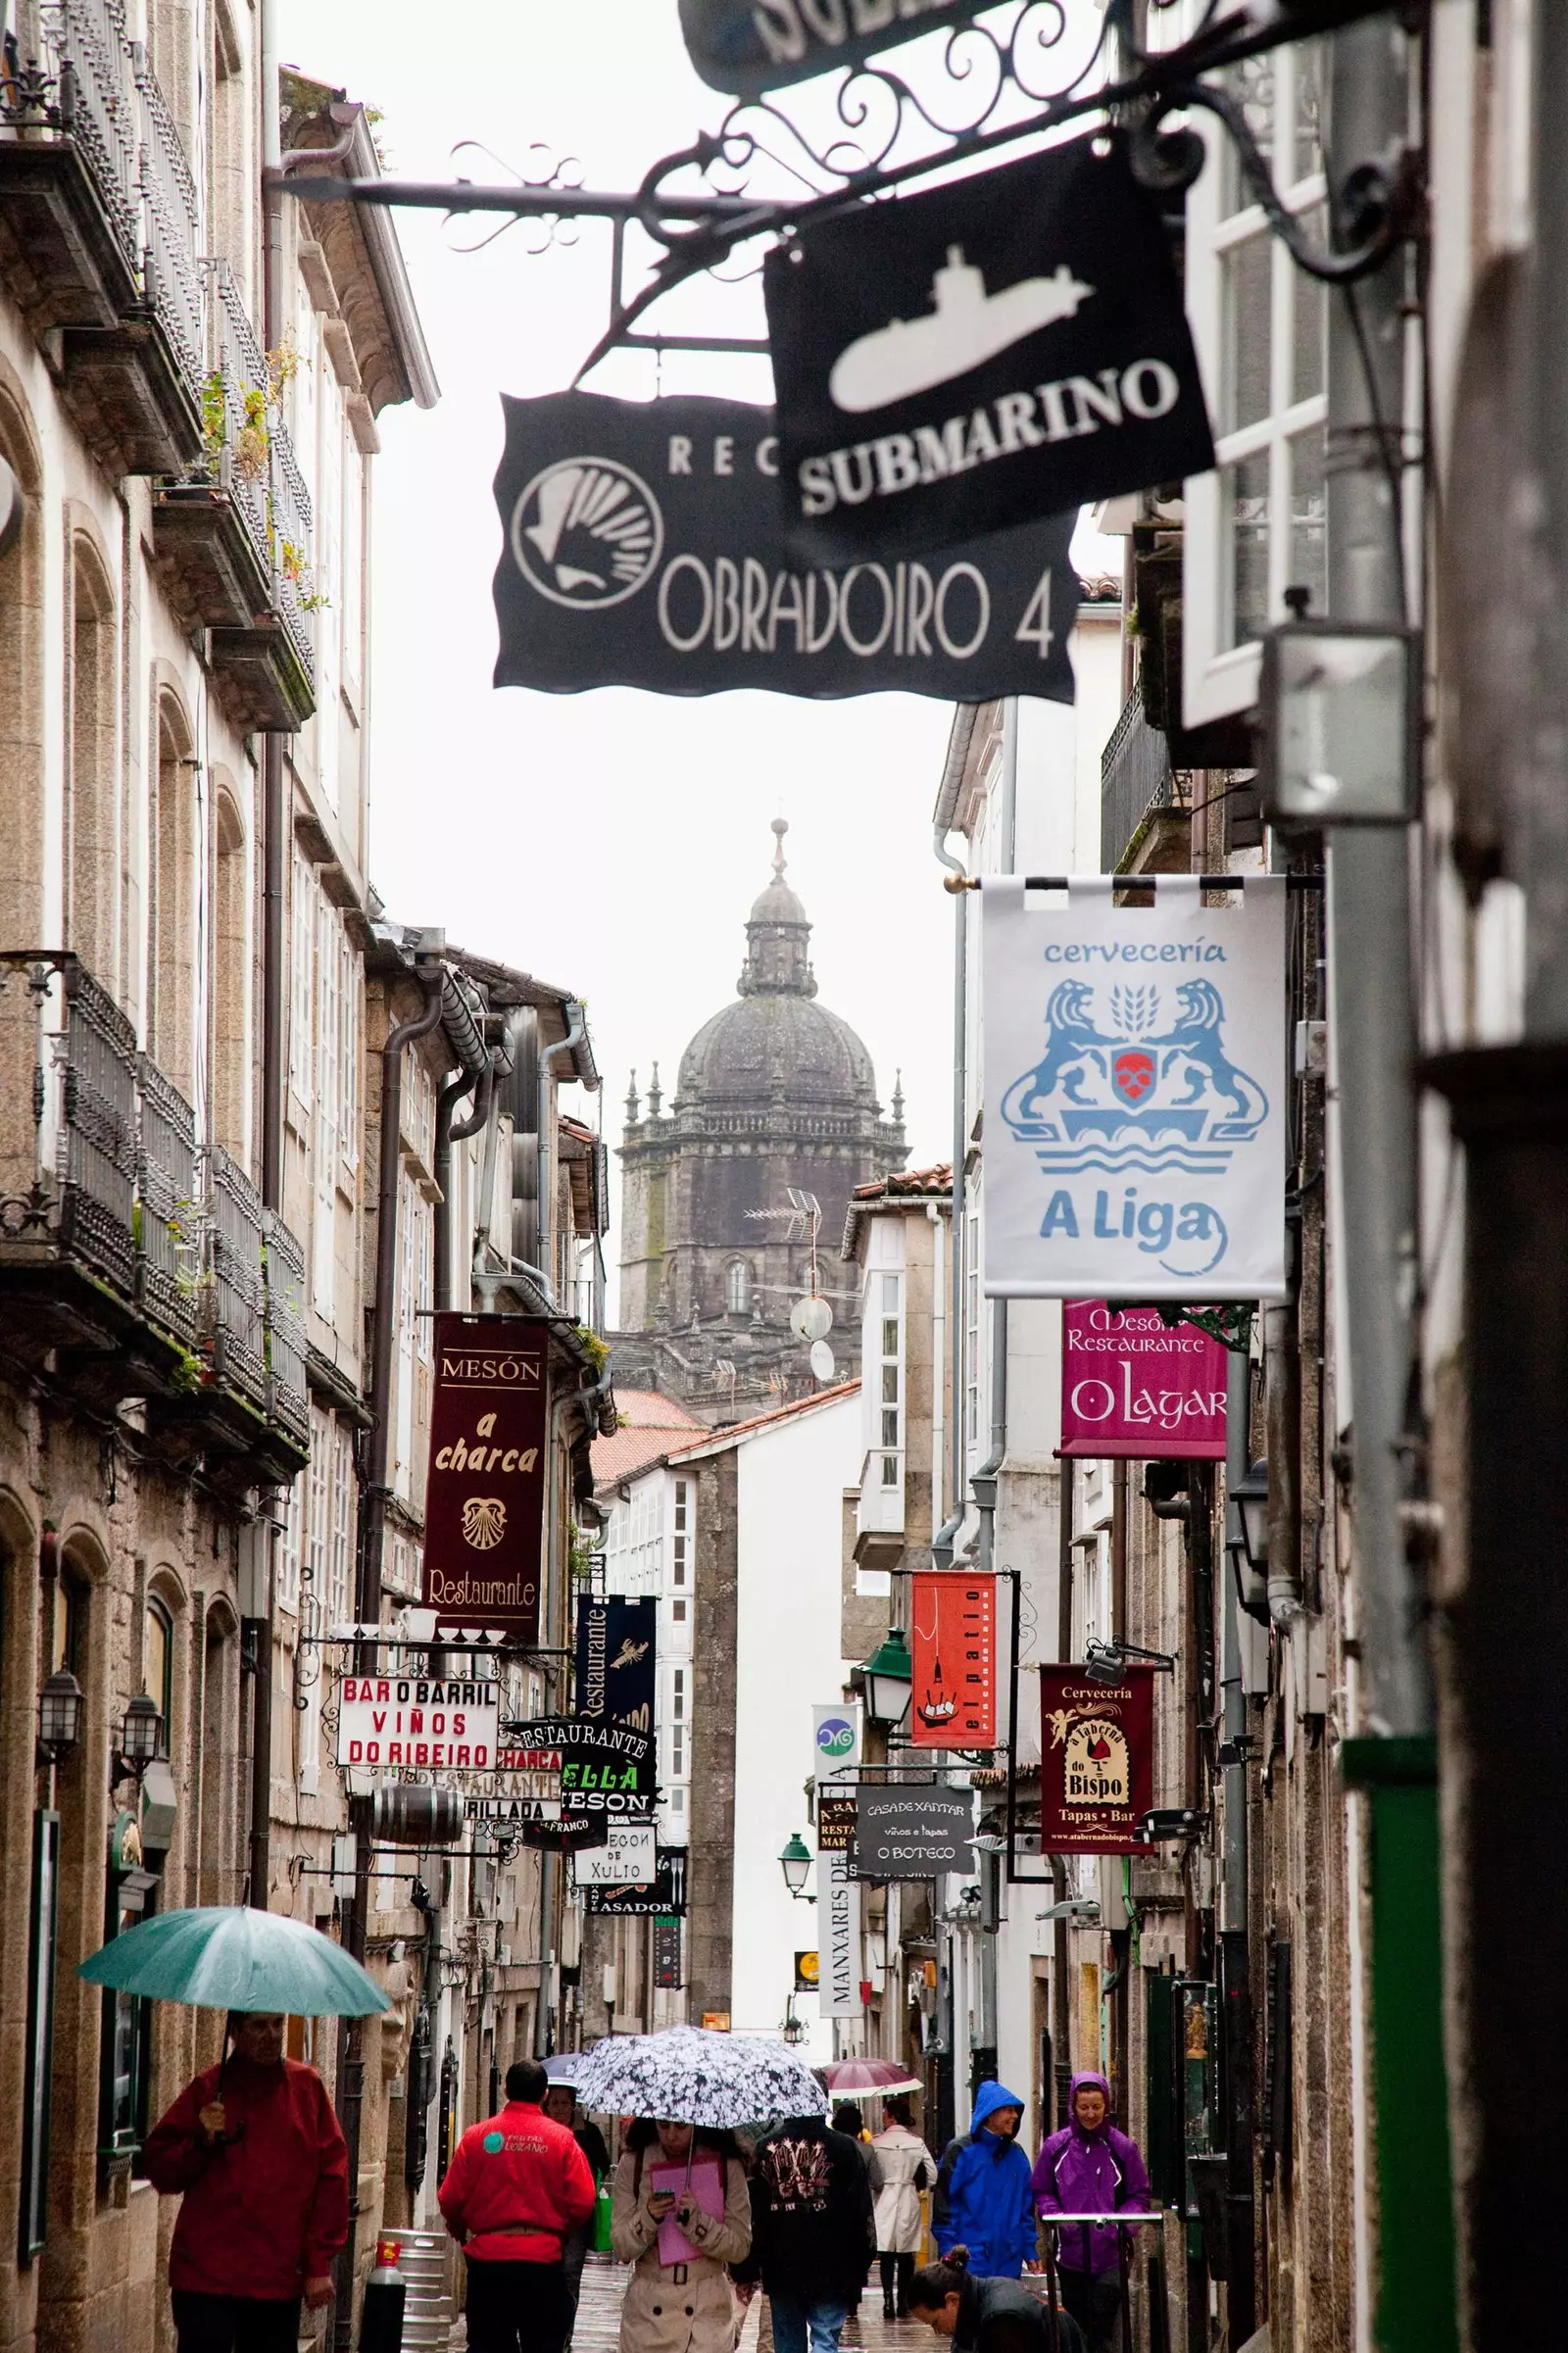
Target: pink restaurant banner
(1134, 1386)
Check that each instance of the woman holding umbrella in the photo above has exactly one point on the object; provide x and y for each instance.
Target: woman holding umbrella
(680, 2214)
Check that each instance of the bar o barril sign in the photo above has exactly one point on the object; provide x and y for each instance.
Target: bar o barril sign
(485, 1495)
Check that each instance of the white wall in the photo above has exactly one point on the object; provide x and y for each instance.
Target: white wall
(791, 1483)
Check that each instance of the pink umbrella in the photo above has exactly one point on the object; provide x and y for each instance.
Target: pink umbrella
(843, 2076)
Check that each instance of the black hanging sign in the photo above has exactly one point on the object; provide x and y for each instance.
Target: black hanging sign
(643, 546)
(745, 46)
(1002, 348)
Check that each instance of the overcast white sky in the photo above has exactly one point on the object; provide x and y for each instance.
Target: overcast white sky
(611, 842)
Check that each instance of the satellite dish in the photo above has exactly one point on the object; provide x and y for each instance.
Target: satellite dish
(810, 1319)
(822, 1363)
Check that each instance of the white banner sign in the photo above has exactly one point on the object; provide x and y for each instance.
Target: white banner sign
(411, 1720)
(627, 1860)
(835, 1736)
(839, 1986)
(1134, 1092)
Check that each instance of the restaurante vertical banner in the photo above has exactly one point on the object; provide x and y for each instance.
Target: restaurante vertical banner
(952, 1645)
(1134, 1091)
(485, 1493)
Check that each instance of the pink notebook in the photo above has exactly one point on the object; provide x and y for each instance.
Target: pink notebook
(707, 2192)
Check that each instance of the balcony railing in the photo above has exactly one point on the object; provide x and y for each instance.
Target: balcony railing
(239, 1322)
(68, 1117)
(96, 103)
(99, 1170)
(171, 276)
(169, 1191)
(288, 1401)
(1135, 778)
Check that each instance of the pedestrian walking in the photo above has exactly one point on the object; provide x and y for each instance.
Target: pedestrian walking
(516, 2188)
(560, 2106)
(987, 2315)
(255, 2150)
(680, 2214)
(813, 2236)
(906, 2167)
(1087, 2167)
(983, 2200)
(849, 2117)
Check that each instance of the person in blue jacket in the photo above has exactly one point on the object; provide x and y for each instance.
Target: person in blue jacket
(983, 2199)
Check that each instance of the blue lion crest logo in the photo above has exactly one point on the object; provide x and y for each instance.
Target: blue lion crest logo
(1114, 1090)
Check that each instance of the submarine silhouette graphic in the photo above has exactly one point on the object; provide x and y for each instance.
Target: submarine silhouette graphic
(966, 326)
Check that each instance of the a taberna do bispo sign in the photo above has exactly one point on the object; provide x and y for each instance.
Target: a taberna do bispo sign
(1134, 1092)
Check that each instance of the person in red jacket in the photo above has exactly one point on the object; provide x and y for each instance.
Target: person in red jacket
(517, 2187)
(256, 2150)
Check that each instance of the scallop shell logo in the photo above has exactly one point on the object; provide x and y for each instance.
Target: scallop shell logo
(484, 1522)
(587, 532)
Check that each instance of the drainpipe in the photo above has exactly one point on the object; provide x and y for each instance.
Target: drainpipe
(275, 1044)
(1371, 959)
(368, 1596)
(983, 1485)
(1060, 2006)
(576, 1031)
(1236, 1973)
(947, 1534)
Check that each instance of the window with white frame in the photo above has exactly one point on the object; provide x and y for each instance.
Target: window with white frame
(889, 1375)
(680, 1535)
(1255, 525)
(302, 979)
(341, 1547)
(348, 1049)
(738, 1287)
(318, 1523)
(677, 1726)
(290, 1546)
(327, 1108)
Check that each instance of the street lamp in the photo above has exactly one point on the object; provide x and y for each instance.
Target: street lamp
(1341, 709)
(889, 1675)
(795, 1862)
(1250, 1498)
(141, 1738)
(793, 2029)
(60, 1706)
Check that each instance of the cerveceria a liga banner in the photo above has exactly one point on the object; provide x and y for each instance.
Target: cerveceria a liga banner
(1134, 1092)
(643, 545)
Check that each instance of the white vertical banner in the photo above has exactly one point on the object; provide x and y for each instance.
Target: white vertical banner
(1134, 1091)
(835, 1736)
(839, 1960)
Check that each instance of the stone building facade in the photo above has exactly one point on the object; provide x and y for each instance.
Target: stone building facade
(197, 982)
(777, 1100)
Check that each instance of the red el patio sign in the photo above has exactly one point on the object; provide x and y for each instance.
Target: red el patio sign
(1097, 1761)
(485, 1496)
(954, 1648)
(1134, 1386)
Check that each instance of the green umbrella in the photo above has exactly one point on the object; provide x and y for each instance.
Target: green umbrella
(230, 1957)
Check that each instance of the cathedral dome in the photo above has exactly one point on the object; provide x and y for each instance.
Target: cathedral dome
(766, 1045)
(775, 1043)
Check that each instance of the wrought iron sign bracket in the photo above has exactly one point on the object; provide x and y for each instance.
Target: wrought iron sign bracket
(879, 114)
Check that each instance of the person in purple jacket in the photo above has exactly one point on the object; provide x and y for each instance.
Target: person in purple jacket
(1090, 2168)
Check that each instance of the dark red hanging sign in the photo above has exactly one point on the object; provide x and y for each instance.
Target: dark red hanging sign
(1096, 1760)
(484, 1500)
(952, 1643)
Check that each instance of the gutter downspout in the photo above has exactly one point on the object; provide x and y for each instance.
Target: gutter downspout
(947, 1534)
(1060, 2010)
(273, 1041)
(983, 1484)
(576, 1031)
(1235, 1923)
(367, 1597)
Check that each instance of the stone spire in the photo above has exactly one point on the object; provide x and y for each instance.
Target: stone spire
(631, 1101)
(777, 937)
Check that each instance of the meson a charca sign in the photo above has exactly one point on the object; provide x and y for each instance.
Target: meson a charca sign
(485, 1491)
(644, 546)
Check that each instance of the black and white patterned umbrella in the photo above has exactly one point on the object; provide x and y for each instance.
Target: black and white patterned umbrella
(691, 2075)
